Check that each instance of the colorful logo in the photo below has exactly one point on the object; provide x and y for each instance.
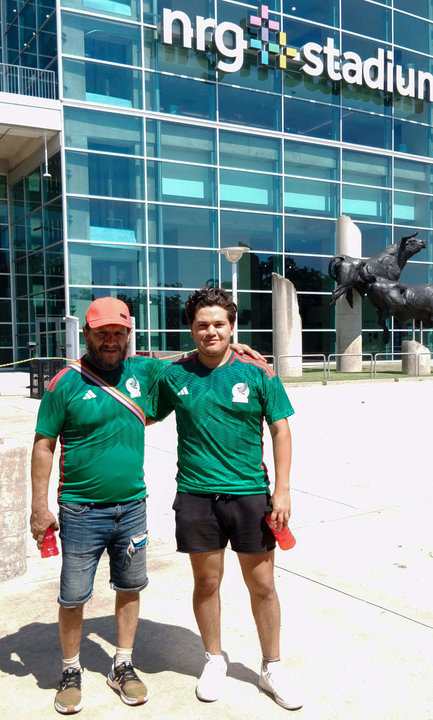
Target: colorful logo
(268, 40)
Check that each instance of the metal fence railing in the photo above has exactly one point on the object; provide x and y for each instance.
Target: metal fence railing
(372, 361)
(28, 81)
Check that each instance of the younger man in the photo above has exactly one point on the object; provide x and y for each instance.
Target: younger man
(220, 399)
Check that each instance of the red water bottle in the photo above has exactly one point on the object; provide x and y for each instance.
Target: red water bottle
(49, 544)
(283, 537)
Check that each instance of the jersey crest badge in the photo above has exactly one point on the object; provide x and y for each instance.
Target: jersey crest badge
(240, 392)
(133, 387)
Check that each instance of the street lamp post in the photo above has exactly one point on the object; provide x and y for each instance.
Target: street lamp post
(233, 255)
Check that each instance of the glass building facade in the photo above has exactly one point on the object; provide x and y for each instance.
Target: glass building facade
(165, 157)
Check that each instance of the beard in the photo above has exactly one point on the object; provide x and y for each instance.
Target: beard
(95, 356)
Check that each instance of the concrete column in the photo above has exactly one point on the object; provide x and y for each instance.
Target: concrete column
(348, 320)
(72, 337)
(417, 364)
(287, 327)
(13, 502)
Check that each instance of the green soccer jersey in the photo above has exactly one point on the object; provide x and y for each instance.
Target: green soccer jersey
(101, 434)
(219, 416)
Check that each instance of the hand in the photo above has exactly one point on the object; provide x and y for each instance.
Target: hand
(243, 349)
(281, 510)
(40, 521)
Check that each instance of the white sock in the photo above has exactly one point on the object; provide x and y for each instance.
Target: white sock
(73, 662)
(122, 655)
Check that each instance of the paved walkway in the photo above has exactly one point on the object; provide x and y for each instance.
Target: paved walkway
(356, 591)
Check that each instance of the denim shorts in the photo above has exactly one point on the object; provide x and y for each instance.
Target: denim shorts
(86, 530)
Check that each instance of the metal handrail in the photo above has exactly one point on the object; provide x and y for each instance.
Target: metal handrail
(417, 357)
(336, 355)
(316, 355)
(21, 80)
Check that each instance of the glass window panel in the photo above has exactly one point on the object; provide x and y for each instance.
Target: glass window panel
(55, 268)
(251, 152)
(106, 221)
(182, 268)
(316, 10)
(167, 310)
(417, 273)
(424, 8)
(311, 160)
(53, 223)
(175, 59)
(299, 33)
(363, 98)
(180, 96)
(172, 341)
(375, 238)
(86, 36)
(33, 190)
(318, 342)
(106, 265)
(192, 185)
(174, 225)
(22, 308)
(308, 273)
(254, 76)
(366, 203)
(5, 311)
(412, 109)
(252, 109)
(254, 311)
(301, 118)
(3, 187)
(4, 237)
(315, 311)
(296, 83)
(412, 209)
(6, 335)
(310, 197)
(19, 238)
(366, 18)
(250, 190)
(364, 169)
(412, 139)
(5, 286)
(17, 198)
(254, 271)
(98, 83)
(412, 33)
(136, 300)
(411, 175)
(52, 186)
(258, 232)
(4, 261)
(173, 141)
(34, 230)
(365, 129)
(309, 235)
(124, 9)
(91, 130)
(106, 175)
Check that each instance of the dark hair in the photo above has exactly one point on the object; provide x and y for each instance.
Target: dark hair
(207, 297)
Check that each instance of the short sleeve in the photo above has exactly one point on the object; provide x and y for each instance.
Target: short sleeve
(276, 404)
(158, 402)
(52, 411)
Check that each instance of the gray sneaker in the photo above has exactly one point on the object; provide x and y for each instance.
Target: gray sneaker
(275, 681)
(68, 699)
(125, 680)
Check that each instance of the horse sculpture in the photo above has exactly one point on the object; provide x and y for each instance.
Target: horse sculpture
(403, 302)
(353, 273)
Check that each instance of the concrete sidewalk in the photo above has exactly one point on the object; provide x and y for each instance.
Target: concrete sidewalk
(355, 592)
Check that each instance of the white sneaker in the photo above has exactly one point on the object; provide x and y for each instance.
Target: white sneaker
(274, 680)
(211, 680)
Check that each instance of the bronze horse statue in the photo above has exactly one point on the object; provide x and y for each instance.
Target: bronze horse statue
(353, 273)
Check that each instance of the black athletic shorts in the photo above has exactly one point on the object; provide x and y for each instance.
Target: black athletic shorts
(205, 523)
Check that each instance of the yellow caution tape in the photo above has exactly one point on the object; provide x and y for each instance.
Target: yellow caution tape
(20, 362)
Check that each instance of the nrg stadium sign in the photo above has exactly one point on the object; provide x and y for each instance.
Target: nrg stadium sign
(267, 41)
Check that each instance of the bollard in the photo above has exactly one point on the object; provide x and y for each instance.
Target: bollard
(13, 502)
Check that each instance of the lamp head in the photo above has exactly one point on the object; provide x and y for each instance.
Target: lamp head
(233, 254)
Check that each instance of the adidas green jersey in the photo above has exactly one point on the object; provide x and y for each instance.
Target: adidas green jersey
(219, 416)
(101, 438)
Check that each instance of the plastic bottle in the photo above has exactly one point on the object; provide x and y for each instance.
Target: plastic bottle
(49, 544)
(283, 537)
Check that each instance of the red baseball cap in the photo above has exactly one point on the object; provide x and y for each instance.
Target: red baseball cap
(108, 311)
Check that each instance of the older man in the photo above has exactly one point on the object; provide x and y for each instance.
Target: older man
(97, 408)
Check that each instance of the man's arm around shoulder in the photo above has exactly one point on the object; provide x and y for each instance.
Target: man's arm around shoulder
(42, 462)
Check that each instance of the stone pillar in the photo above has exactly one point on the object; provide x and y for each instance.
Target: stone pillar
(13, 503)
(418, 364)
(286, 326)
(348, 320)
